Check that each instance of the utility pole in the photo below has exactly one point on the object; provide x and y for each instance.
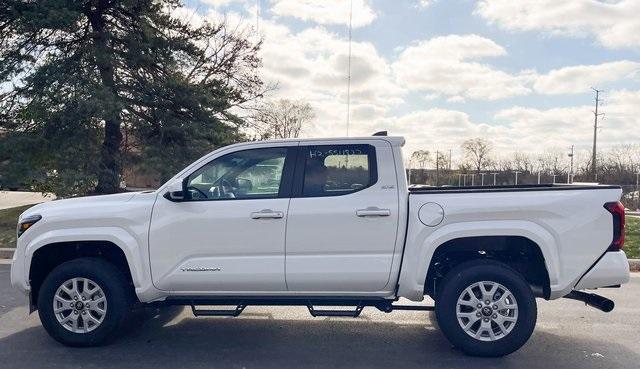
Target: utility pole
(570, 174)
(494, 178)
(516, 172)
(437, 166)
(594, 168)
(349, 69)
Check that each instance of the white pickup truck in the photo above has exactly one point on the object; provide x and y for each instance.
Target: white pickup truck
(325, 223)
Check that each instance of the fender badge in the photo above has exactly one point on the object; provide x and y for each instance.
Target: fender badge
(201, 269)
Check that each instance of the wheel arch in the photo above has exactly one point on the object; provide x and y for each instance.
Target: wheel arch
(51, 249)
(423, 244)
(518, 252)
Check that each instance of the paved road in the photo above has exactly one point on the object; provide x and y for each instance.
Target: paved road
(568, 335)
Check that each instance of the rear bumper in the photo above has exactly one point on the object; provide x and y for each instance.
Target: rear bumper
(611, 270)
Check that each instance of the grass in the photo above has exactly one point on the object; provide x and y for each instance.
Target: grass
(9, 218)
(632, 238)
(8, 223)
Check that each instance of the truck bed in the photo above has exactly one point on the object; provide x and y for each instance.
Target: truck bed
(509, 188)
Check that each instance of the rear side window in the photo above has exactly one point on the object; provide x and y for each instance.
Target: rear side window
(334, 170)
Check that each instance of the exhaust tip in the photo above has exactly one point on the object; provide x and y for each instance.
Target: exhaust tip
(607, 305)
(599, 302)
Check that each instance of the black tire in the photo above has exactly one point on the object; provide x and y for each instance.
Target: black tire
(465, 275)
(116, 290)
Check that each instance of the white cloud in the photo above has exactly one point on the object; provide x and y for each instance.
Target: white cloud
(564, 126)
(325, 11)
(577, 79)
(614, 24)
(519, 128)
(446, 65)
(425, 3)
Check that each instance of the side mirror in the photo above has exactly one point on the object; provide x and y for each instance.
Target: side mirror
(175, 192)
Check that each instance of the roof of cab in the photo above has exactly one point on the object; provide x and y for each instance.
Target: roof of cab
(393, 140)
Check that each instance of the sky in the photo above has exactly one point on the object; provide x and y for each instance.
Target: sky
(518, 73)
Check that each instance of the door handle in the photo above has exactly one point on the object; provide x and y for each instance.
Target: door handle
(267, 214)
(373, 211)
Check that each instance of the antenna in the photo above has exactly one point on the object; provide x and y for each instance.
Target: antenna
(349, 69)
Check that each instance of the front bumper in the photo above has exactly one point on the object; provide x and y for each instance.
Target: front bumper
(611, 270)
(18, 274)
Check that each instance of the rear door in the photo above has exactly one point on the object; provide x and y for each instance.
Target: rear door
(343, 219)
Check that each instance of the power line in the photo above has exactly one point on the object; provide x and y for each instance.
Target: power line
(349, 69)
(595, 134)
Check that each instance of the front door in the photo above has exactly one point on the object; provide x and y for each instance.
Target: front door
(343, 219)
(229, 234)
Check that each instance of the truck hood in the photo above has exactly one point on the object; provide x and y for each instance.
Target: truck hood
(79, 204)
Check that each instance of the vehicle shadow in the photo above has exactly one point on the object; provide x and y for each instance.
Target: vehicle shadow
(169, 339)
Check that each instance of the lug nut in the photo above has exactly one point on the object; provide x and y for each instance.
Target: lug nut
(479, 306)
(486, 320)
(71, 304)
(487, 302)
(83, 298)
(478, 315)
(84, 312)
(495, 307)
(495, 316)
(75, 298)
(75, 312)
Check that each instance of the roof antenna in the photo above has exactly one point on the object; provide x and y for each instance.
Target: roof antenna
(349, 69)
(380, 133)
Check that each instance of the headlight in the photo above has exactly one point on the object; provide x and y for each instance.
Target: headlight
(27, 222)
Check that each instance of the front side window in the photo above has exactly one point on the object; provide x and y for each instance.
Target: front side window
(248, 174)
(333, 170)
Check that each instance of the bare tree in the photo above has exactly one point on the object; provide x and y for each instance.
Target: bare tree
(282, 119)
(421, 157)
(476, 152)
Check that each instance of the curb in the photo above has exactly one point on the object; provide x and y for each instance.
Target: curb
(7, 253)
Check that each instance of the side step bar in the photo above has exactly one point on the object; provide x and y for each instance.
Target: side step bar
(593, 300)
(316, 307)
(348, 313)
(210, 312)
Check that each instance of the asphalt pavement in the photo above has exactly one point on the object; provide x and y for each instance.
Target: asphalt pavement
(568, 335)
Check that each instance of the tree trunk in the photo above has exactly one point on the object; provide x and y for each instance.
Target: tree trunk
(110, 158)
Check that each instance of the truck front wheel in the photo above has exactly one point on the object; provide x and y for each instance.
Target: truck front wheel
(83, 302)
(486, 308)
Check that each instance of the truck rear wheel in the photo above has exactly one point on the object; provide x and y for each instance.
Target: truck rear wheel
(485, 308)
(84, 302)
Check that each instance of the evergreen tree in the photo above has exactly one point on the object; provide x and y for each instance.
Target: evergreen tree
(77, 75)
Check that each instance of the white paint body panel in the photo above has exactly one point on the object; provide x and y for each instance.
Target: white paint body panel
(320, 247)
(330, 248)
(611, 270)
(571, 227)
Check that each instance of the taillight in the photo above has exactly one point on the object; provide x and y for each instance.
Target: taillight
(617, 210)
